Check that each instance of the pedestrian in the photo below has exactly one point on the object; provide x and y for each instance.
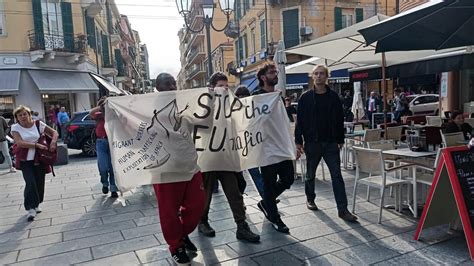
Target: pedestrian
(180, 204)
(400, 105)
(104, 160)
(280, 176)
(26, 135)
(290, 110)
(35, 115)
(319, 133)
(4, 129)
(52, 117)
(372, 106)
(63, 119)
(230, 185)
(347, 103)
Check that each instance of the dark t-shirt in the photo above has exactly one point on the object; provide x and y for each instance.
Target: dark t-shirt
(323, 123)
(291, 110)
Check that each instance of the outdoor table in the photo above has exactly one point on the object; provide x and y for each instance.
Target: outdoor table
(407, 153)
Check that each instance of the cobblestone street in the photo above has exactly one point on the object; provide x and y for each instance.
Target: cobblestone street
(80, 225)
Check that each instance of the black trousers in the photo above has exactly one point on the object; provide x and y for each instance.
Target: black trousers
(276, 179)
(34, 176)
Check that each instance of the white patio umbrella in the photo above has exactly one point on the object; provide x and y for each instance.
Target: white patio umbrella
(307, 65)
(280, 60)
(357, 102)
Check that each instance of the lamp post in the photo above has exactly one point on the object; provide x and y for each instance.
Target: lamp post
(184, 9)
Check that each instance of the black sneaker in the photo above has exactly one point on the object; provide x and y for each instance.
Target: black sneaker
(280, 226)
(114, 195)
(262, 208)
(189, 245)
(206, 230)
(180, 257)
(244, 233)
(105, 190)
(311, 206)
(347, 216)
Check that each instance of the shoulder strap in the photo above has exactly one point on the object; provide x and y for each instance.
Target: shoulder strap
(38, 126)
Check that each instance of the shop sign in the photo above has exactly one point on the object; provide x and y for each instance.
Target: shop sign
(9, 61)
(294, 87)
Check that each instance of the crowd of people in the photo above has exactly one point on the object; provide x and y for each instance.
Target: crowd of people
(183, 206)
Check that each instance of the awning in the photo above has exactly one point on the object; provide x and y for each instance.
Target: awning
(9, 81)
(251, 83)
(107, 85)
(297, 79)
(63, 81)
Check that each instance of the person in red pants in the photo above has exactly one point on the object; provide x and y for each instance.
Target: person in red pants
(180, 204)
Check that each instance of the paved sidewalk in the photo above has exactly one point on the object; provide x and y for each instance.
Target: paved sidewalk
(79, 225)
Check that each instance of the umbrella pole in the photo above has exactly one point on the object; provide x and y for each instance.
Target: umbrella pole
(384, 94)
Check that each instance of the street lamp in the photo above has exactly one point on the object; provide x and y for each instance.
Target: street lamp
(184, 9)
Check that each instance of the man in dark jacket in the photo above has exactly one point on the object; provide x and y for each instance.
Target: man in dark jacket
(277, 177)
(320, 125)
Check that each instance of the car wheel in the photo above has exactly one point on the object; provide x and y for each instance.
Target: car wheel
(88, 148)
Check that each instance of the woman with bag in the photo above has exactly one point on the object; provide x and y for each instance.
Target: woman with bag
(26, 134)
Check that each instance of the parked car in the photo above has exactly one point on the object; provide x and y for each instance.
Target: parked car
(80, 133)
(425, 104)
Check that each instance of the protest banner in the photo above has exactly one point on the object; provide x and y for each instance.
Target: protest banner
(168, 136)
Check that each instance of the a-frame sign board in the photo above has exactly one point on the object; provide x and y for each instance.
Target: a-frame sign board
(452, 193)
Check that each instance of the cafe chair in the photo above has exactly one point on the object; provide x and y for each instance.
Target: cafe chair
(371, 135)
(452, 139)
(434, 121)
(371, 171)
(395, 133)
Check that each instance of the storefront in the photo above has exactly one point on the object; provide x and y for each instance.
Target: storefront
(296, 84)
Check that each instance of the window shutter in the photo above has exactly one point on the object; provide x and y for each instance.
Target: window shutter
(359, 14)
(38, 22)
(105, 50)
(262, 34)
(90, 28)
(337, 18)
(241, 49)
(238, 9)
(291, 33)
(68, 27)
(119, 62)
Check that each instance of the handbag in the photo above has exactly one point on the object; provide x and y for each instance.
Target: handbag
(45, 157)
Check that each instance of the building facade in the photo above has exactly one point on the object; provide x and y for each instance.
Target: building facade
(261, 24)
(193, 47)
(48, 48)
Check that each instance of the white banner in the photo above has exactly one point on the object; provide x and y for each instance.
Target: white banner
(168, 136)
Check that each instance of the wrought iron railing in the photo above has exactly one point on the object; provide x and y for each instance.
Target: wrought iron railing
(58, 42)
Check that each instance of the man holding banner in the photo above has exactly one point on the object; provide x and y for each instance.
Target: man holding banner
(180, 204)
(230, 185)
(320, 125)
(267, 76)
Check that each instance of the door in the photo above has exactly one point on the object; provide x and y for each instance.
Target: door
(291, 27)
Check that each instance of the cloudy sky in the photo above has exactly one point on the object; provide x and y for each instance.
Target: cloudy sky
(158, 23)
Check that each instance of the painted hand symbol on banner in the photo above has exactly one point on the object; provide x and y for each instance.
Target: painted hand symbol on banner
(174, 117)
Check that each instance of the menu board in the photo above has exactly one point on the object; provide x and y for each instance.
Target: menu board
(377, 119)
(464, 164)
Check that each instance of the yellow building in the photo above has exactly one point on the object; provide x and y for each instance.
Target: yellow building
(294, 22)
(194, 68)
(48, 48)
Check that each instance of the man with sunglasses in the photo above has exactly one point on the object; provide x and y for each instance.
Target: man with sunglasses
(267, 76)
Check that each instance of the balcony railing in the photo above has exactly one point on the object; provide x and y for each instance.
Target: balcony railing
(196, 69)
(57, 42)
(193, 53)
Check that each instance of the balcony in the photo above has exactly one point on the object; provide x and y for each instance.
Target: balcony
(48, 46)
(196, 38)
(194, 72)
(93, 7)
(194, 55)
(109, 70)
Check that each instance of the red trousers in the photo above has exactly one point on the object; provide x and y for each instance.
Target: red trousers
(180, 207)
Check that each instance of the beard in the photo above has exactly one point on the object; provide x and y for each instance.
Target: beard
(273, 82)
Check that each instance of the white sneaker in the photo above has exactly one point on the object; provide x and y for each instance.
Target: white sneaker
(31, 215)
(12, 170)
(38, 210)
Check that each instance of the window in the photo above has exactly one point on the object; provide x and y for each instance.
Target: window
(2, 20)
(252, 36)
(52, 19)
(347, 21)
(263, 38)
(246, 47)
